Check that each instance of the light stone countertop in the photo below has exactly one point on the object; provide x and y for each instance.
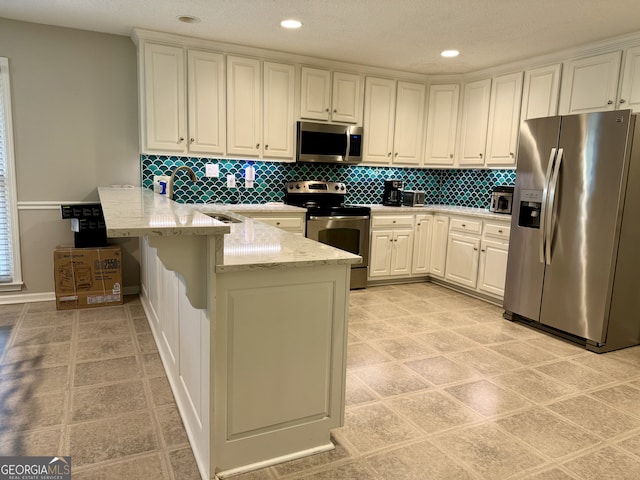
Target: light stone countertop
(448, 209)
(249, 245)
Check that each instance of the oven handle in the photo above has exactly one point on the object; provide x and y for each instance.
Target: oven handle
(340, 217)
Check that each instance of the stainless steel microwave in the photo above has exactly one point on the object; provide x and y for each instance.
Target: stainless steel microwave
(328, 143)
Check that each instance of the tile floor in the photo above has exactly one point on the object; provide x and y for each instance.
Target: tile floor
(439, 386)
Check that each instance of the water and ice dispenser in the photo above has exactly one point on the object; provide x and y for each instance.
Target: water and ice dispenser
(530, 208)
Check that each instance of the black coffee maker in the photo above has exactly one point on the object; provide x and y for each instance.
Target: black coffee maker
(392, 195)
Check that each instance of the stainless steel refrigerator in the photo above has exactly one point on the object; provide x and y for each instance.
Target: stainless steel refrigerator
(574, 261)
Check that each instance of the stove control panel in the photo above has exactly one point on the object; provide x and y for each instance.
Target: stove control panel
(316, 187)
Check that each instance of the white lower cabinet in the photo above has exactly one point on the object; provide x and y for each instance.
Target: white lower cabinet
(466, 252)
(438, 260)
(493, 266)
(462, 259)
(289, 222)
(422, 244)
(391, 251)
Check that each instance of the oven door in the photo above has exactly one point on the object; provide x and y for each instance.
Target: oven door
(350, 233)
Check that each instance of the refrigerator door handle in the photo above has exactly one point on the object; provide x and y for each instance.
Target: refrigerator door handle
(549, 227)
(545, 193)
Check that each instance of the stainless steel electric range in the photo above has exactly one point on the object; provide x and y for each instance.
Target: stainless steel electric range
(332, 222)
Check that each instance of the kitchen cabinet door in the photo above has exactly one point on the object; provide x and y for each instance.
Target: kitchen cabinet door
(401, 254)
(409, 123)
(345, 98)
(504, 119)
(380, 253)
(475, 117)
(278, 122)
(437, 262)
(442, 122)
(630, 90)
(540, 92)
(164, 112)
(244, 114)
(493, 267)
(316, 93)
(422, 245)
(207, 110)
(379, 119)
(590, 84)
(462, 260)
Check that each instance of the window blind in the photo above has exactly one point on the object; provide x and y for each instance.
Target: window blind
(8, 212)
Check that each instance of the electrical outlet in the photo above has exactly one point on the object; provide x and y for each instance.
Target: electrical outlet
(157, 188)
(231, 181)
(212, 170)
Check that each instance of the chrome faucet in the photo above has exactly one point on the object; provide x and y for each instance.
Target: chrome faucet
(173, 176)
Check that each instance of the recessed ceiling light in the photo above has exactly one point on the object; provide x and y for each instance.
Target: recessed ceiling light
(450, 53)
(188, 19)
(291, 23)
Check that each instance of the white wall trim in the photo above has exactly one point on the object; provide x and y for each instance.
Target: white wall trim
(27, 298)
(49, 205)
(49, 296)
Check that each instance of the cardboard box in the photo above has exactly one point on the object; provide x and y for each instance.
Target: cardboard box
(87, 277)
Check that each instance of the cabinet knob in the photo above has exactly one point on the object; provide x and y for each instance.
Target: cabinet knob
(335, 110)
(480, 155)
(483, 250)
(475, 249)
(257, 145)
(464, 225)
(395, 154)
(622, 100)
(389, 154)
(277, 223)
(511, 154)
(192, 139)
(326, 110)
(394, 221)
(451, 155)
(181, 139)
(499, 231)
(610, 102)
(266, 147)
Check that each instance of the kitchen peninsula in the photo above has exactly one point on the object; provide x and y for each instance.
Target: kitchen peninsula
(251, 325)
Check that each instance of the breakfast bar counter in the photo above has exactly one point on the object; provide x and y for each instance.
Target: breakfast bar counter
(251, 325)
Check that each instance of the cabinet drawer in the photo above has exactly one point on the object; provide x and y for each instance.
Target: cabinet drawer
(392, 221)
(497, 230)
(465, 225)
(287, 223)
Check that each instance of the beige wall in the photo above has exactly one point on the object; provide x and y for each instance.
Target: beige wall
(74, 100)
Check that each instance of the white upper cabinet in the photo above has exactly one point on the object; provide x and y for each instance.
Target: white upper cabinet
(323, 99)
(207, 111)
(244, 115)
(540, 92)
(164, 112)
(504, 120)
(393, 121)
(630, 90)
(590, 84)
(379, 119)
(409, 125)
(442, 121)
(260, 124)
(346, 99)
(279, 122)
(475, 117)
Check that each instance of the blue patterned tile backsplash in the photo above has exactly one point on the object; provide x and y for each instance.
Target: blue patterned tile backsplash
(467, 188)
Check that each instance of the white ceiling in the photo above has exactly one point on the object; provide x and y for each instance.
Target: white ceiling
(400, 34)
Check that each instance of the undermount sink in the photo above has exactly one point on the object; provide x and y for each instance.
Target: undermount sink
(222, 218)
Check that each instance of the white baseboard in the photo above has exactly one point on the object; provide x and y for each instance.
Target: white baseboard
(50, 296)
(27, 298)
